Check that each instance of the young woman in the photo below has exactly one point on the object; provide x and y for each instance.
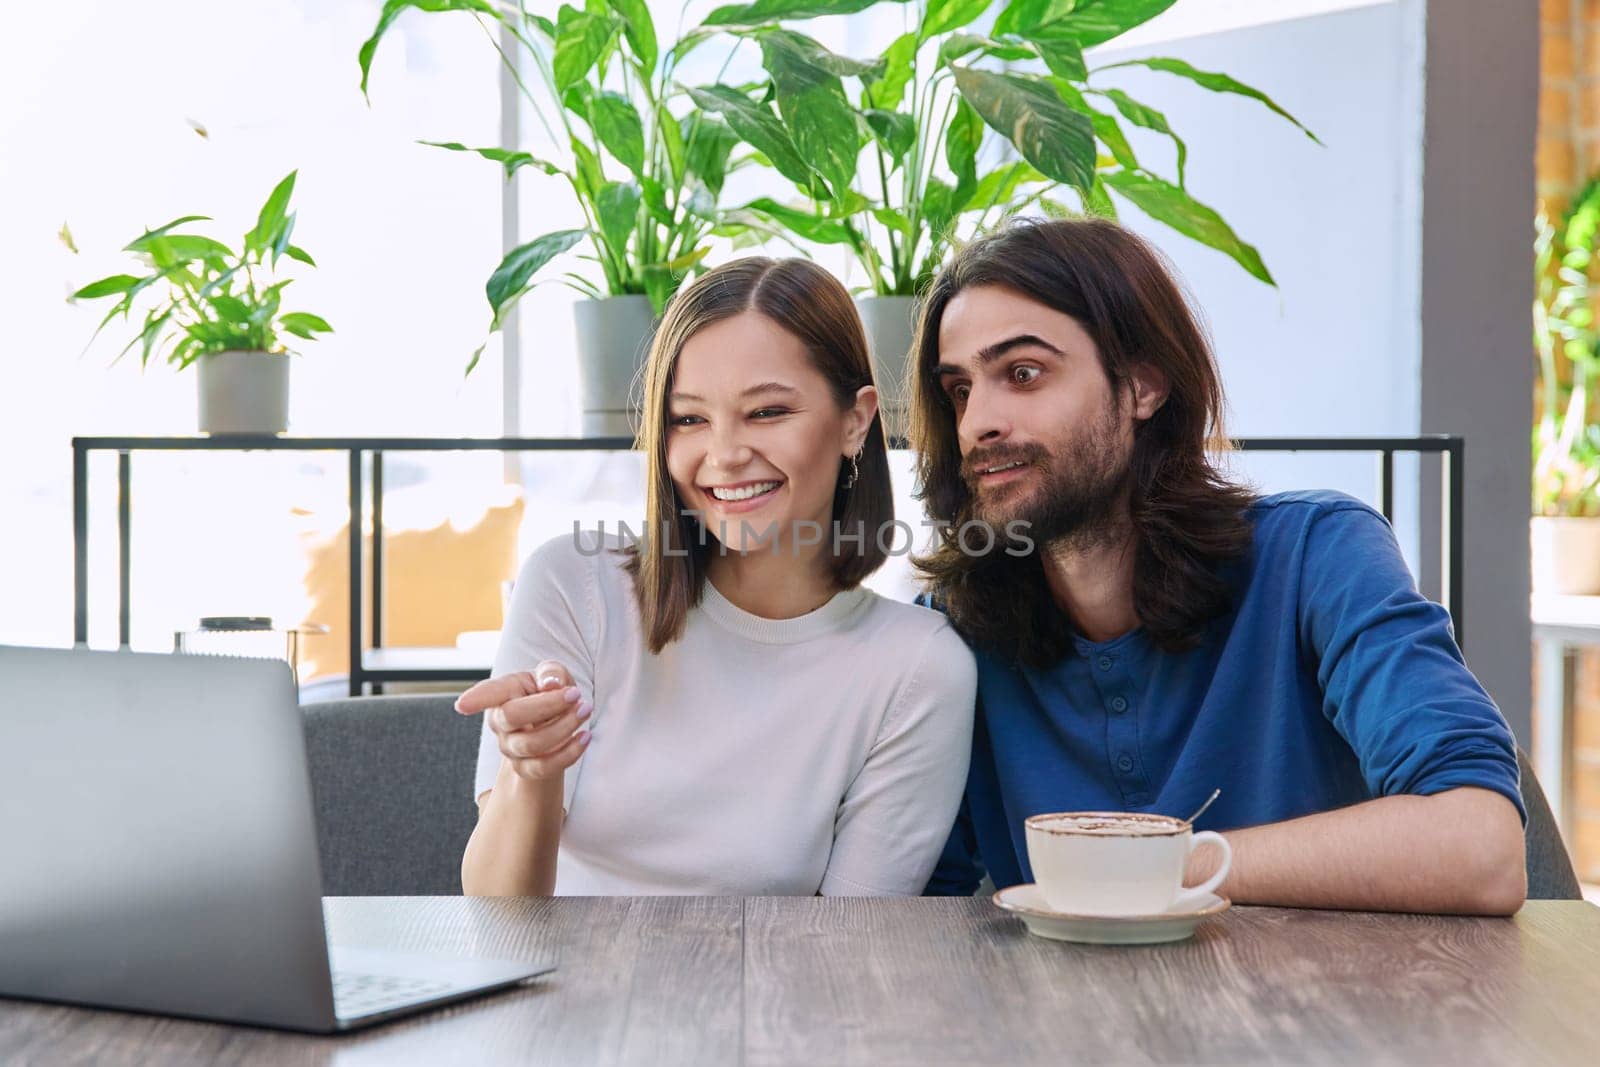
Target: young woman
(719, 707)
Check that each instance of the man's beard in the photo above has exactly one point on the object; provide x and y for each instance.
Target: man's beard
(1078, 491)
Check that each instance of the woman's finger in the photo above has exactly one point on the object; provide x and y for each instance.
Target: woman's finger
(542, 740)
(492, 692)
(538, 709)
(553, 763)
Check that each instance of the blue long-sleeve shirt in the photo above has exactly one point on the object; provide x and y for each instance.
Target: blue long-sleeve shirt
(1331, 682)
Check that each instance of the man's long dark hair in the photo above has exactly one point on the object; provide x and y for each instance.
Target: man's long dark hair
(1187, 518)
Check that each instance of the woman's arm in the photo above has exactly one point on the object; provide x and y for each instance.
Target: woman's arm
(512, 851)
(535, 719)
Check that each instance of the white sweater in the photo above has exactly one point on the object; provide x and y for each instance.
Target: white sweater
(825, 753)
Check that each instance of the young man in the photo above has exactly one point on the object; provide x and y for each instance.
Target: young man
(1170, 633)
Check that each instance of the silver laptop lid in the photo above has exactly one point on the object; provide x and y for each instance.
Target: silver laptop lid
(157, 841)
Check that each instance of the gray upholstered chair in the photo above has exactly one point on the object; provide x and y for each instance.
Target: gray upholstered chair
(1550, 874)
(392, 779)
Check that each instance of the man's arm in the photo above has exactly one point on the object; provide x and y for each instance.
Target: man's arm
(1444, 833)
(1455, 852)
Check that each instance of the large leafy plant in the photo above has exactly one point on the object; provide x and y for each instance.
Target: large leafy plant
(1566, 437)
(208, 298)
(884, 153)
(644, 169)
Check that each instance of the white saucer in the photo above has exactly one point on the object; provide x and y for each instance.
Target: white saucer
(1026, 902)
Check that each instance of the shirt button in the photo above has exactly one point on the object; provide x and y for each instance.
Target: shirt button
(1124, 763)
(1105, 663)
(1119, 704)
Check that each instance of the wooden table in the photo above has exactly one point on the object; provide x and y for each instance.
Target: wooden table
(907, 981)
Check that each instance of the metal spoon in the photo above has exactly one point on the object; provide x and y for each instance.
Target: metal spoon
(1215, 793)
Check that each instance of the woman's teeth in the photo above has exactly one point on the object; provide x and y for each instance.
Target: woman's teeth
(746, 492)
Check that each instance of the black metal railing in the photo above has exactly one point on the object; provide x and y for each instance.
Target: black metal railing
(1449, 448)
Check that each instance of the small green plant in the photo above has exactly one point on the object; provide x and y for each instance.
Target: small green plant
(207, 297)
(1566, 437)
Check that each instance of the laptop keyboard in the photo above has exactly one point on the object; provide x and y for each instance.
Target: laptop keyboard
(365, 994)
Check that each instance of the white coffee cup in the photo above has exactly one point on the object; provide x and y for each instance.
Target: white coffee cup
(1118, 863)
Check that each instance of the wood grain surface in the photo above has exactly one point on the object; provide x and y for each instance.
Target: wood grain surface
(906, 981)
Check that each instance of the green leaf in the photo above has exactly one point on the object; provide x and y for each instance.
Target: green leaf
(296, 252)
(1020, 15)
(802, 49)
(672, 140)
(1218, 83)
(510, 279)
(810, 226)
(812, 102)
(580, 40)
(937, 209)
(116, 283)
(616, 213)
(998, 186)
(1171, 205)
(895, 130)
(141, 243)
(589, 175)
(230, 308)
(1111, 135)
(659, 285)
(270, 221)
(1092, 22)
(1065, 59)
(640, 30)
(654, 195)
(948, 15)
(617, 125)
(688, 259)
(894, 220)
(1054, 209)
(709, 142)
(758, 127)
(1098, 202)
(392, 10)
(960, 44)
(304, 324)
(510, 159)
(961, 143)
(1030, 114)
(1150, 119)
(764, 11)
(173, 249)
(887, 90)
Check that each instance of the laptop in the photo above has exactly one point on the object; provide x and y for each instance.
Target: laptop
(158, 851)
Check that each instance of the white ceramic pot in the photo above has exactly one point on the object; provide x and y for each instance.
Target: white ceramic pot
(1566, 555)
(889, 323)
(613, 340)
(243, 392)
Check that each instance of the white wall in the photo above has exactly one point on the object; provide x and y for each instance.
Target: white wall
(1333, 350)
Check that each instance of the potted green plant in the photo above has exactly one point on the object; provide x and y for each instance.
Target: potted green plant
(644, 170)
(1565, 529)
(884, 154)
(220, 311)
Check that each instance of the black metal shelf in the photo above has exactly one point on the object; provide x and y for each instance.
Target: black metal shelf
(1450, 449)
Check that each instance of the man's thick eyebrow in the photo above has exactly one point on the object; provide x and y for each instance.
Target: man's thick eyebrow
(990, 353)
(763, 387)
